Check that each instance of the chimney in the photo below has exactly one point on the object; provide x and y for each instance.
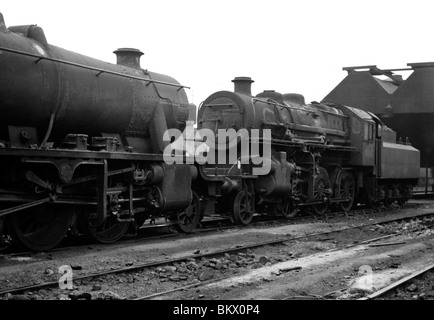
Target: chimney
(128, 57)
(243, 85)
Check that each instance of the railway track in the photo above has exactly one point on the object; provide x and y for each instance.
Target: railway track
(208, 226)
(166, 229)
(369, 241)
(204, 283)
(237, 248)
(162, 229)
(399, 283)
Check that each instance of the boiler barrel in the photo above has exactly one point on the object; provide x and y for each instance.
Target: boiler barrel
(85, 95)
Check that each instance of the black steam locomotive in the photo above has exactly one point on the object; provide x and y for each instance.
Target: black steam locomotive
(81, 144)
(322, 154)
(80, 139)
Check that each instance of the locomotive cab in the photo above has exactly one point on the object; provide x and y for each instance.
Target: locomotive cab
(387, 168)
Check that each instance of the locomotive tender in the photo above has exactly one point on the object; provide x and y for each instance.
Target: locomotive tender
(322, 154)
(81, 142)
(406, 105)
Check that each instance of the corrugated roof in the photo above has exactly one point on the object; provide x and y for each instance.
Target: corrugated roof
(389, 87)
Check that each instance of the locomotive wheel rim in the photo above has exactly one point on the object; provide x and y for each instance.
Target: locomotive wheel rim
(288, 209)
(242, 211)
(189, 218)
(347, 189)
(108, 232)
(41, 228)
(321, 182)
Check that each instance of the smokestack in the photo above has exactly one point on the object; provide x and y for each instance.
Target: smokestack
(243, 85)
(128, 57)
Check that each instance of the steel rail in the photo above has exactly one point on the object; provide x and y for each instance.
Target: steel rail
(208, 254)
(221, 219)
(398, 283)
(284, 221)
(193, 285)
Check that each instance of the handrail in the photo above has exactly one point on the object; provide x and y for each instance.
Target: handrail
(100, 71)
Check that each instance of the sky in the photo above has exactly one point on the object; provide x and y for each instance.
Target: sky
(288, 46)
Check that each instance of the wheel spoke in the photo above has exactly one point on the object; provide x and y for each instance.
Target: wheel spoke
(108, 232)
(242, 207)
(346, 190)
(321, 183)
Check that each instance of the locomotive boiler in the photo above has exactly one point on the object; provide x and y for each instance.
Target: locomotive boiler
(322, 154)
(81, 142)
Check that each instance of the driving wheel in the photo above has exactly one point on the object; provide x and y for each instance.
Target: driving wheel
(39, 228)
(321, 185)
(347, 189)
(243, 208)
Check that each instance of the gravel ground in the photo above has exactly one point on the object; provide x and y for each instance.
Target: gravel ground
(420, 288)
(308, 282)
(328, 271)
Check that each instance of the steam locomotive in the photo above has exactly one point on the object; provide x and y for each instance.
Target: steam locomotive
(82, 144)
(322, 154)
